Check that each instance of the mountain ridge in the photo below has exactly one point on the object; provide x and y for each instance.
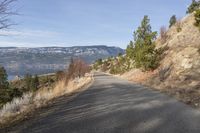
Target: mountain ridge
(41, 60)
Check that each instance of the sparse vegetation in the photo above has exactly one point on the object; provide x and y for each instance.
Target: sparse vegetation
(178, 26)
(164, 73)
(60, 75)
(144, 53)
(10, 92)
(27, 79)
(130, 50)
(77, 68)
(35, 83)
(118, 65)
(7, 93)
(163, 34)
(97, 64)
(140, 53)
(74, 78)
(195, 5)
(197, 18)
(3, 78)
(172, 21)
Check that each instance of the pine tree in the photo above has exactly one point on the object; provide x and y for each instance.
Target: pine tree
(3, 78)
(144, 35)
(99, 61)
(172, 21)
(195, 5)
(197, 18)
(4, 87)
(130, 50)
(144, 50)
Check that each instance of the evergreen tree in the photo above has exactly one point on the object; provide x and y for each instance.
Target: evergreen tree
(172, 21)
(4, 87)
(35, 83)
(144, 50)
(3, 78)
(130, 50)
(99, 61)
(15, 92)
(195, 5)
(120, 54)
(144, 35)
(197, 18)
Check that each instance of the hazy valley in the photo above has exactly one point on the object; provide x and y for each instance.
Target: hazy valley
(20, 61)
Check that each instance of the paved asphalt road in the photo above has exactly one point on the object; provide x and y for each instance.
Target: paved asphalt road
(113, 105)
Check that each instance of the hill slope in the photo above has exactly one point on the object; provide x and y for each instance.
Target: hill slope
(180, 67)
(179, 71)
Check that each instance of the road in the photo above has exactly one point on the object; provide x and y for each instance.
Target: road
(112, 105)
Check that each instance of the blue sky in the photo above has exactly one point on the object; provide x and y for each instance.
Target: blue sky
(86, 22)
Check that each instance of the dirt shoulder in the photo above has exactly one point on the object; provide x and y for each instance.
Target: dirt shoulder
(184, 92)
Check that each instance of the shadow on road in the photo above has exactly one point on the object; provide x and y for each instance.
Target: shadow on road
(111, 105)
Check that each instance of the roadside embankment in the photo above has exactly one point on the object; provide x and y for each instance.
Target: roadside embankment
(21, 108)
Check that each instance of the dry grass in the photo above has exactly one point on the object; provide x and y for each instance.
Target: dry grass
(138, 76)
(163, 34)
(19, 107)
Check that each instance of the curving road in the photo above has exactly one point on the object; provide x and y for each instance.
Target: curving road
(112, 105)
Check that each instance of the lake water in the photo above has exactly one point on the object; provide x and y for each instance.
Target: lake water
(11, 77)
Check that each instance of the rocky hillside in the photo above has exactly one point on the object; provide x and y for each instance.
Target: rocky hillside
(179, 71)
(19, 61)
(180, 67)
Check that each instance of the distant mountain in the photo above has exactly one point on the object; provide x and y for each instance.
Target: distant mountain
(19, 61)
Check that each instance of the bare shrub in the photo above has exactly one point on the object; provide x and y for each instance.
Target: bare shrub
(60, 75)
(77, 68)
(17, 105)
(163, 34)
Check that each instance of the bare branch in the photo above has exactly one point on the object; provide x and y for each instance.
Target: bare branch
(77, 68)
(5, 13)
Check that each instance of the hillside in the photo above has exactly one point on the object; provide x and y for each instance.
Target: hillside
(180, 66)
(19, 61)
(179, 70)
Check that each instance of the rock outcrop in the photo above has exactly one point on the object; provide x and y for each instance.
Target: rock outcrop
(179, 71)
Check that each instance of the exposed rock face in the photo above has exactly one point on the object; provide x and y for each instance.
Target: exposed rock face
(179, 71)
(180, 67)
